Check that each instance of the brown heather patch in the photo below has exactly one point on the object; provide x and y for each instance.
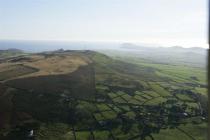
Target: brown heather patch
(53, 65)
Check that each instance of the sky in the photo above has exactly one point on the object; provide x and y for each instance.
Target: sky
(164, 22)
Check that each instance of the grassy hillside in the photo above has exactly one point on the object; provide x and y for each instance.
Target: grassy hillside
(10, 53)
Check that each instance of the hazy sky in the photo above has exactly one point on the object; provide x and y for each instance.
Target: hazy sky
(166, 22)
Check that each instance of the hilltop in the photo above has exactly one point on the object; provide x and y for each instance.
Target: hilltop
(10, 52)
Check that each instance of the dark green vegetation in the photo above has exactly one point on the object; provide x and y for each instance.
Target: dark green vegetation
(78, 84)
(109, 99)
(16, 70)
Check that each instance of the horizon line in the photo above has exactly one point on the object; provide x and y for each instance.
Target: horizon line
(205, 45)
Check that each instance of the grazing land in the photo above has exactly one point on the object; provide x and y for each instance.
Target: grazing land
(87, 95)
